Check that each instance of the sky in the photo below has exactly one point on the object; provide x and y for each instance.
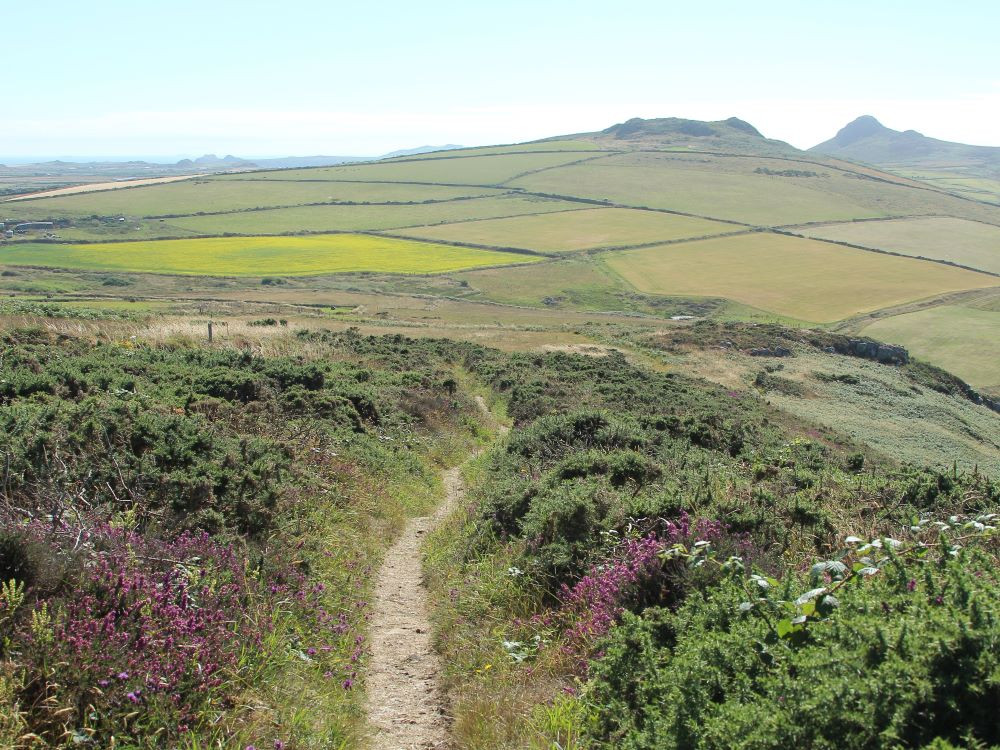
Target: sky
(154, 78)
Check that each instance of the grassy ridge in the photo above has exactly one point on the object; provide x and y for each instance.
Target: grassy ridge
(259, 256)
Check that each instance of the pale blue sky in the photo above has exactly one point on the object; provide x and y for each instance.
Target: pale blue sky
(312, 76)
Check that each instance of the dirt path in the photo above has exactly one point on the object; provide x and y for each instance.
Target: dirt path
(407, 708)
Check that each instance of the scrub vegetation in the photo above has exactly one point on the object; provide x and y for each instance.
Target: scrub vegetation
(651, 561)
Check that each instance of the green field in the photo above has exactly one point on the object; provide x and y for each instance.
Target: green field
(201, 195)
(575, 230)
(966, 341)
(314, 219)
(257, 256)
(577, 282)
(975, 187)
(685, 184)
(805, 279)
(491, 169)
(732, 188)
(968, 243)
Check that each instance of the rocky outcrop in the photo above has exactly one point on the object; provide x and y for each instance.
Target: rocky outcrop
(887, 354)
(776, 351)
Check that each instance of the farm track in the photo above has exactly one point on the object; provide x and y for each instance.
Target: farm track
(407, 706)
(101, 187)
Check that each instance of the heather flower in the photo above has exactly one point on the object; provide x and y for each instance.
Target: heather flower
(594, 604)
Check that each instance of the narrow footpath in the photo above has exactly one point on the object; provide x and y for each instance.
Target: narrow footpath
(407, 707)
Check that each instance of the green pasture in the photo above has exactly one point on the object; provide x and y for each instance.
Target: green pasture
(491, 169)
(671, 182)
(731, 188)
(259, 256)
(968, 243)
(805, 279)
(315, 219)
(210, 195)
(977, 188)
(575, 230)
(963, 340)
(347, 218)
(578, 282)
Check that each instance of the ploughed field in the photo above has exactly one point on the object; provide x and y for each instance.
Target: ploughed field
(607, 224)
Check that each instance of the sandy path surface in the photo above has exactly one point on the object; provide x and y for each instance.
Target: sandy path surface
(94, 187)
(407, 707)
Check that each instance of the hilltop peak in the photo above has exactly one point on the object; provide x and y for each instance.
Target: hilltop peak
(863, 127)
(746, 127)
(867, 140)
(731, 135)
(638, 127)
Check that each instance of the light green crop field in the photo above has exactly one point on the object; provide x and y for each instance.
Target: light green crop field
(258, 256)
(671, 182)
(804, 279)
(341, 218)
(493, 169)
(963, 340)
(977, 188)
(731, 188)
(575, 230)
(193, 196)
(968, 243)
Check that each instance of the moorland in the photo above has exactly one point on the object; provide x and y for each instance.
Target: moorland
(719, 419)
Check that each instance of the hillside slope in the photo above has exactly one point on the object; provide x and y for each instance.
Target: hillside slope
(866, 139)
(657, 217)
(970, 171)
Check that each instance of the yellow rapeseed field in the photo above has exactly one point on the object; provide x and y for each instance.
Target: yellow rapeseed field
(259, 256)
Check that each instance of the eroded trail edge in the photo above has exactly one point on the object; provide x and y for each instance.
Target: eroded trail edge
(406, 704)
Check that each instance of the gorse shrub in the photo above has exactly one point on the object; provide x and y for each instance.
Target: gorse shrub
(182, 526)
(899, 650)
(655, 528)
